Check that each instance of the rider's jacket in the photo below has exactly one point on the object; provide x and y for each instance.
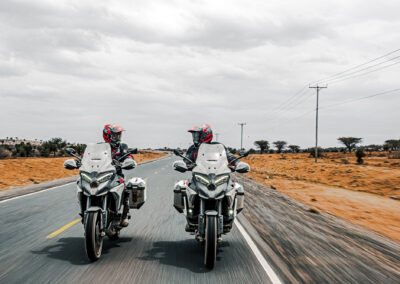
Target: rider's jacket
(118, 152)
(193, 150)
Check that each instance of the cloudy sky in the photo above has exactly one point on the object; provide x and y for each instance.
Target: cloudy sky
(159, 67)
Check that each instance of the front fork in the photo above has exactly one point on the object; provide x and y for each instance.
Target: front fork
(202, 218)
(102, 211)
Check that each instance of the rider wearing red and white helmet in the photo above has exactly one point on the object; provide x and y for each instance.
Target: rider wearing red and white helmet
(112, 134)
(203, 134)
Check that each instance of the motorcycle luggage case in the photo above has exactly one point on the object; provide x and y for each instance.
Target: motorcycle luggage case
(179, 193)
(136, 188)
(239, 198)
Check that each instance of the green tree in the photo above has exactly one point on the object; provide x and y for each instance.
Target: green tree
(350, 142)
(55, 145)
(360, 154)
(311, 151)
(372, 148)
(392, 144)
(280, 145)
(263, 145)
(294, 148)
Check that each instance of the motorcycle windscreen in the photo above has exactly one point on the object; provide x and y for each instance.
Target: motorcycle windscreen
(97, 158)
(211, 159)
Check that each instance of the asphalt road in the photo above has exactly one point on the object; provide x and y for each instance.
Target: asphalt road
(153, 249)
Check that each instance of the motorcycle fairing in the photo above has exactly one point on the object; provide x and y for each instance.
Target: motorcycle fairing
(97, 158)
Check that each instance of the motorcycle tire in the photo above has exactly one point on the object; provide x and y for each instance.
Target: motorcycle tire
(210, 247)
(93, 239)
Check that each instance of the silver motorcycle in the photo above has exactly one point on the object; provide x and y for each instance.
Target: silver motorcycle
(211, 199)
(101, 193)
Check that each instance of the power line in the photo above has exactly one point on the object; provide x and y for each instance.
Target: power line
(288, 101)
(363, 69)
(342, 103)
(362, 98)
(358, 75)
(294, 101)
(355, 67)
(279, 114)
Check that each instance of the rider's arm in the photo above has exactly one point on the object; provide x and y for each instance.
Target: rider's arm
(191, 154)
(231, 157)
(124, 150)
(78, 161)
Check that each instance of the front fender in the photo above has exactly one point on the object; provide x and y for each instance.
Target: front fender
(94, 209)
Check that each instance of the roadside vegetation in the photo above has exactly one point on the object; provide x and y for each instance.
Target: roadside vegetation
(15, 148)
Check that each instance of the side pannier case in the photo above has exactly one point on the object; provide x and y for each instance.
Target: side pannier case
(239, 197)
(179, 194)
(137, 192)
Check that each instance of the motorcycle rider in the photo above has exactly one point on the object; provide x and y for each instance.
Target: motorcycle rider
(112, 134)
(204, 134)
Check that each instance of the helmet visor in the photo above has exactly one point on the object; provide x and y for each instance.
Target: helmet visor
(116, 136)
(196, 137)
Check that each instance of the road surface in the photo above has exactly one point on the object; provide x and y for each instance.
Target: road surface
(153, 249)
(41, 241)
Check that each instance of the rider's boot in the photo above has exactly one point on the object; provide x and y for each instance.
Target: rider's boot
(125, 214)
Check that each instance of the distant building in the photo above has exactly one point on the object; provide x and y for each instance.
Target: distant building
(14, 141)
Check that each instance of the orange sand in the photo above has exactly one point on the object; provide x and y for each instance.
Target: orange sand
(359, 193)
(24, 171)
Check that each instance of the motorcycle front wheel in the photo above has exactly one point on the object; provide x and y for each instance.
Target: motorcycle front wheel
(93, 239)
(210, 249)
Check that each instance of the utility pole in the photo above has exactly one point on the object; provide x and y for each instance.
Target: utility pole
(316, 119)
(241, 134)
(216, 136)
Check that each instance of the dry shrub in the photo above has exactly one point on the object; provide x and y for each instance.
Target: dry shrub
(4, 153)
(394, 155)
(345, 161)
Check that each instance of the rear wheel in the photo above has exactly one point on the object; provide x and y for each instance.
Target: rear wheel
(93, 239)
(210, 248)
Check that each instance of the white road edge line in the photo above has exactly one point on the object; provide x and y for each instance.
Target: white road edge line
(267, 268)
(36, 192)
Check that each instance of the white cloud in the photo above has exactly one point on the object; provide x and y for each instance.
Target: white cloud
(68, 67)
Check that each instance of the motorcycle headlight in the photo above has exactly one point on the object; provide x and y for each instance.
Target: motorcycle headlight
(202, 180)
(222, 180)
(104, 178)
(86, 177)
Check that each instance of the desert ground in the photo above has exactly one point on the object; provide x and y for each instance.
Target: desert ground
(24, 171)
(364, 194)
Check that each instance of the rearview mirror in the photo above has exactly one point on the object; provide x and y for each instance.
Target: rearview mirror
(70, 151)
(128, 164)
(178, 152)
(242, 168)
(132, 151)
(243, 153)
(180, 166)
(70, 164)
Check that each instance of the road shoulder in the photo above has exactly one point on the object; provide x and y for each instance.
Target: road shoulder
(13, 192)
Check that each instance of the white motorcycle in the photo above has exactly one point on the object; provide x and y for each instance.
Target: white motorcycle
(211, 199)
(101, 192)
